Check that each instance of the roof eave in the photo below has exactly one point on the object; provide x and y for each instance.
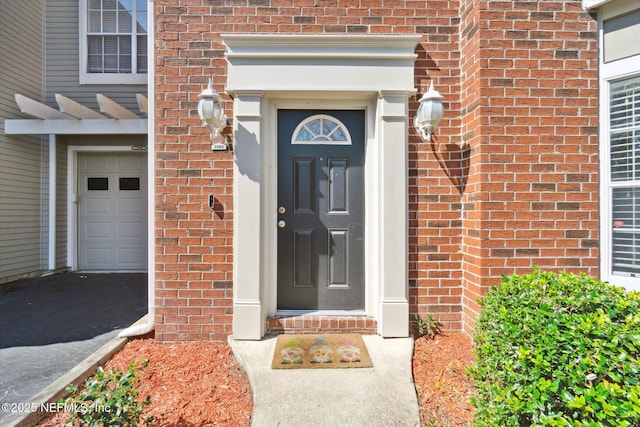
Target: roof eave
(589, 5)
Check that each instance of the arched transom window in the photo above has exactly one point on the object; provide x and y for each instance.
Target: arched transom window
(321, 129)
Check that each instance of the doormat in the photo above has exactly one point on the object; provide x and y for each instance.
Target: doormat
(320, 351)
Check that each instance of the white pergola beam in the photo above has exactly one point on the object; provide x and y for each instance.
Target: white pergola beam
(113, 109)
(37, 109)
(143, 103)
(75, 127)
(75, 109)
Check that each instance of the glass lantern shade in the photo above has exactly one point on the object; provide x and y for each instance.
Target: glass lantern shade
(429, 113)
(211, 112)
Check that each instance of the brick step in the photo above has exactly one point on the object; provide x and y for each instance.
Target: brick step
(314, 324)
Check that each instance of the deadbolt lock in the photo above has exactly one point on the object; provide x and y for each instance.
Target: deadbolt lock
(281, 210)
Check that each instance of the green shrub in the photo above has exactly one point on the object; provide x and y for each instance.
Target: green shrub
(426, 326)
(556, 349)
(107, 399)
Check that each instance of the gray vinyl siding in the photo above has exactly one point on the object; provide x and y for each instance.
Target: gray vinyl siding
(21, 157)
(62, 62)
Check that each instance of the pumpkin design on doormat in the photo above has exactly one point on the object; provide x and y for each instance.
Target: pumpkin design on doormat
(320, 352)
(292, 352)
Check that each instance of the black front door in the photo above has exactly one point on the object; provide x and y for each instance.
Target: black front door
(320, 209)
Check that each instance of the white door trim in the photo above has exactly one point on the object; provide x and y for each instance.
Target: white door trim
(255, 201)
(72, 193)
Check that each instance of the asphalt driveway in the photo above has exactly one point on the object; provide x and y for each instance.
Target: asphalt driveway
(50, 324)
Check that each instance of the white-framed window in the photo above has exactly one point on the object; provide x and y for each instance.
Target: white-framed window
(321, 129)
(113, 41)
(624, 175)
(619, 149)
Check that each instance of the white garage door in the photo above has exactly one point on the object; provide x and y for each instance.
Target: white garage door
(112, 211)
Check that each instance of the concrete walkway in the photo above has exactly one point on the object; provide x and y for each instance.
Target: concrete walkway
(373, 397)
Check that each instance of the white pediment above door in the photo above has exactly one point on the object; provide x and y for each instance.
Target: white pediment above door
(358, 63)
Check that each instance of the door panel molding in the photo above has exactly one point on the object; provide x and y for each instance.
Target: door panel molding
(338, 181)
(338, 258)
(304, 185)
(304, 254)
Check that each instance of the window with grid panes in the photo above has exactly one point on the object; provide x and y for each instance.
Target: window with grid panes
(624, 182)
(115, 41)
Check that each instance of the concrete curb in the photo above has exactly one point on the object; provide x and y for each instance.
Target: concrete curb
(244, 362)
(56, 390)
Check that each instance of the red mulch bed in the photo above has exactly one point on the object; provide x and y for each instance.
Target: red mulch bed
(444, 390)
(190, 384)
(201, 384)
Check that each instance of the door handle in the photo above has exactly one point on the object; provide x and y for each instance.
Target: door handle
(281, 223)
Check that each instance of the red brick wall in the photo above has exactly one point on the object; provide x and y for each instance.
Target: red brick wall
(530, 118)
(470, 138)
(436, 175)
(193, 242)
(511, 179)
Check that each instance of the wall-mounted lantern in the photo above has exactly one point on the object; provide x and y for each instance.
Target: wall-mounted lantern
(212, 115)
(429, 113)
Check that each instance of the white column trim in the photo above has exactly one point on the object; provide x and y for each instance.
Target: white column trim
(248, 223)
(53, 169)
(393, 107)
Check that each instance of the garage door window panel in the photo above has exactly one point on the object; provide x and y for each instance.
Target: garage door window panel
(129, 184)
(98, 184)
